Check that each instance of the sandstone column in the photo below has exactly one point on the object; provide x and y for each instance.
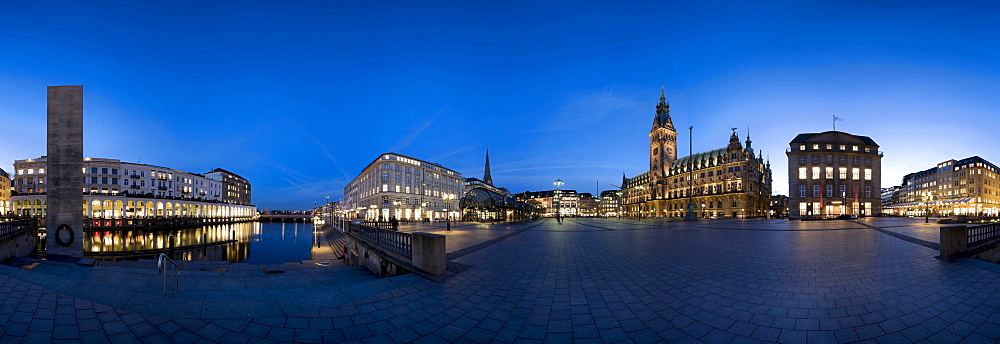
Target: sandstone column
(64, 220)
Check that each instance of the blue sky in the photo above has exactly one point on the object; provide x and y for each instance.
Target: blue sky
(300, 97)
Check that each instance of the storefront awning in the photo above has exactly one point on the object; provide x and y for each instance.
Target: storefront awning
(930, 203)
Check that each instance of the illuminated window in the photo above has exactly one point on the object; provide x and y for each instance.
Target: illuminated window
(815, 172)
(41, 171)
(815, 146)
(31, 171)
(855, 173)
(829, 173)
(843, 172)
(854, 148)
(868, 174)
(843, 147)
(802, 147)
(397, 188)
(829, 146)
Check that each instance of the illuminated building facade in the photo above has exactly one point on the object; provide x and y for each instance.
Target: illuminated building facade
(565, 202)
(395, 185)
(587, 204)
(114, 189)
(608, 203)
(970, 186)
(834, 173)
(5, 205)
(235, 189)
(729, 182)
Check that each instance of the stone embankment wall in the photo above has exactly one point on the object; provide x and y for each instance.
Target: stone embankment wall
(362, 256)
(20, 246)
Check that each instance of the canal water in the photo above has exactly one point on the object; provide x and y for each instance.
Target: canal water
(246, 242)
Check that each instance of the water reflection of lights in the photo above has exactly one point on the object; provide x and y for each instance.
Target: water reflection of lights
(228, 242)
(139, 242)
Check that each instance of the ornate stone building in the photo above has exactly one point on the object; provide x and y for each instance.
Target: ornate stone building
(729, 182)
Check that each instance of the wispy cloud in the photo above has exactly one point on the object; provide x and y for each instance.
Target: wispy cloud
(407, 140)
(552, 167)
(321, 147)
(591, 109)
(452, 152)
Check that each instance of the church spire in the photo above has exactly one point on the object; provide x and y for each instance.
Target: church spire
(748, 138)
(662, 119)
(487, 178)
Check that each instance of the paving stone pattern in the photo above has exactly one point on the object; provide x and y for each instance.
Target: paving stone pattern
(601, 281)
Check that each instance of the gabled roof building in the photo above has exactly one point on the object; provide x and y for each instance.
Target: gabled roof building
(728, 182)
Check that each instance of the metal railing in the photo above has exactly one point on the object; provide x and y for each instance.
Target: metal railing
(378, 224)
(15, 228)
(980, 234)
(392, 241)
(162, 267)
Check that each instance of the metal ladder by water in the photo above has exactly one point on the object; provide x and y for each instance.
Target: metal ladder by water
(162, 267)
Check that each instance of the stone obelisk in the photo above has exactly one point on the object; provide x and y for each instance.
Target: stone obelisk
(64, 222)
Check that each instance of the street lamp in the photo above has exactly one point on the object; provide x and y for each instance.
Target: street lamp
(690, 215)
(927, 197)
(556, 199)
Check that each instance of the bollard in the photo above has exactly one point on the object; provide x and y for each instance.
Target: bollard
(953, 241)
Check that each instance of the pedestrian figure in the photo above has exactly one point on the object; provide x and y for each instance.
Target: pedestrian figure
(394, 223)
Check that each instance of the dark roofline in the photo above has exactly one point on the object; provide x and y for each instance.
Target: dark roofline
(803, 138)
(458, 174)
(229, 172)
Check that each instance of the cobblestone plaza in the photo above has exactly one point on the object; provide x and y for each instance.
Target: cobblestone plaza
(586, 280)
